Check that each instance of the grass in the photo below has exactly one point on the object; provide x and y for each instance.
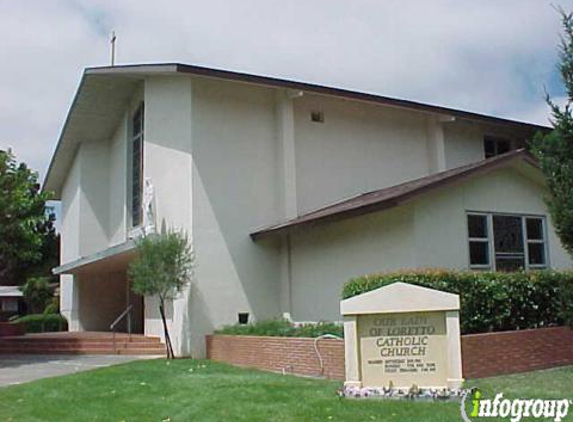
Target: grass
(192, 390)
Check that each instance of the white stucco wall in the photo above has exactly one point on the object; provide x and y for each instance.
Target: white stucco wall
(70, 243)
(167, 163)
(463, 142)
(102, 298)
(93, 210)
(85, 202)
(324, 257)
(360, 147)
(441, 227)
(235, 190)
(71, 193)
(117, 184)
(94, 205)
(428, 232)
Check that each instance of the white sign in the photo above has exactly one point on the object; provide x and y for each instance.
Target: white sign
(402, 335)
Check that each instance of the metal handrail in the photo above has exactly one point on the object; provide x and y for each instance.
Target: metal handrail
(113, 325)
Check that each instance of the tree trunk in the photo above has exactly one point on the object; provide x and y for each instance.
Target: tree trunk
(168, 346)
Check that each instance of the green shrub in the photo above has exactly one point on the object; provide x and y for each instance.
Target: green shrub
(53, 307)
(40, 323)
(490, 301)
(283, 328)
(37, 293)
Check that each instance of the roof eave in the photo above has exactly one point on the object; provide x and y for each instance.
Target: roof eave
(151, 69)
(487, 166)
(144, 70)
(49, 185)
(134, 69)
(66, 147)
(95, 258)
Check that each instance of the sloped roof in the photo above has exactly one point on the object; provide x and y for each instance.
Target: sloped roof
(167, 68)
(395, 195)
(10, 291)
(112, 258)
(103, 93)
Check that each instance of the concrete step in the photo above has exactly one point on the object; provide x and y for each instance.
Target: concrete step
(85, 351)
(41, 340)
(72, 342)
(82, 343)
(41, 351)
(84, 346)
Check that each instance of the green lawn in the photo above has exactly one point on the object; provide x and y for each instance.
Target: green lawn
(191, 390)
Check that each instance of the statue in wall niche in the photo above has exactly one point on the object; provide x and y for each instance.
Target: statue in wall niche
(148, 207)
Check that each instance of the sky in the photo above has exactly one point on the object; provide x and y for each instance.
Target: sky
(489, 56)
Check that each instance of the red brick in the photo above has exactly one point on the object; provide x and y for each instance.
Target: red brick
(483, 355)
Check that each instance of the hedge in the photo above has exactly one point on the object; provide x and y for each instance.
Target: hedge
(40, 323)
(283, 328)
(491, 301)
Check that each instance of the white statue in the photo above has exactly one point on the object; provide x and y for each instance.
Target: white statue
(149, 223)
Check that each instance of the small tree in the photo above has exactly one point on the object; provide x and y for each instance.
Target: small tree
(554, 151)
(162, 268)
(28, 242)
(37, 294)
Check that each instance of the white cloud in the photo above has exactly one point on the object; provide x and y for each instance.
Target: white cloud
(44, 45)
(537, 112)
(486, 56)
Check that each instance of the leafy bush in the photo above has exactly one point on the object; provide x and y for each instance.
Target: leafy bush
(53, 307)
(283, 328)
(40, 323)
(37, 293)
(490, 301)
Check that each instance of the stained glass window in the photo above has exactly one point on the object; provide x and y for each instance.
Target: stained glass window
(137, 166)
(512, 243)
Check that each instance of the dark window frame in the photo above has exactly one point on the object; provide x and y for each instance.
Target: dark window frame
(481, 240)
(137, 138)
(527, 241)
(496, 145)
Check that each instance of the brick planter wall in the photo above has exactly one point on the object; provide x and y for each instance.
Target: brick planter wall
(290, 354)
(9, 329)
(483, 355)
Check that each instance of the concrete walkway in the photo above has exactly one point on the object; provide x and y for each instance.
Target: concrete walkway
(18, 369)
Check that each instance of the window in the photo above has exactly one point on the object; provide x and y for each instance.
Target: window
(137, 166)
(505, 242)
(535, 242)
(508, 243)
(9, 305)
(479, 240)
(496, 146)
(317, 116)
(243, 318)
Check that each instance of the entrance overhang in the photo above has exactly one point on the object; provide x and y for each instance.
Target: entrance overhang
(114, 258)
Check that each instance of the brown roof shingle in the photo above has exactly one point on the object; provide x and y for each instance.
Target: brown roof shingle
(392, 196)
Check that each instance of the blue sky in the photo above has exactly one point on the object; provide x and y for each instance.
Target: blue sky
(486, 56)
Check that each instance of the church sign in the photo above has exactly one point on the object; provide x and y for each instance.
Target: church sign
(402, 335)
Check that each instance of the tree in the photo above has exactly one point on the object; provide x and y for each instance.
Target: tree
(50, 249)
(37, 294)
(554, 151)
(27, 232)
(162, 267)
